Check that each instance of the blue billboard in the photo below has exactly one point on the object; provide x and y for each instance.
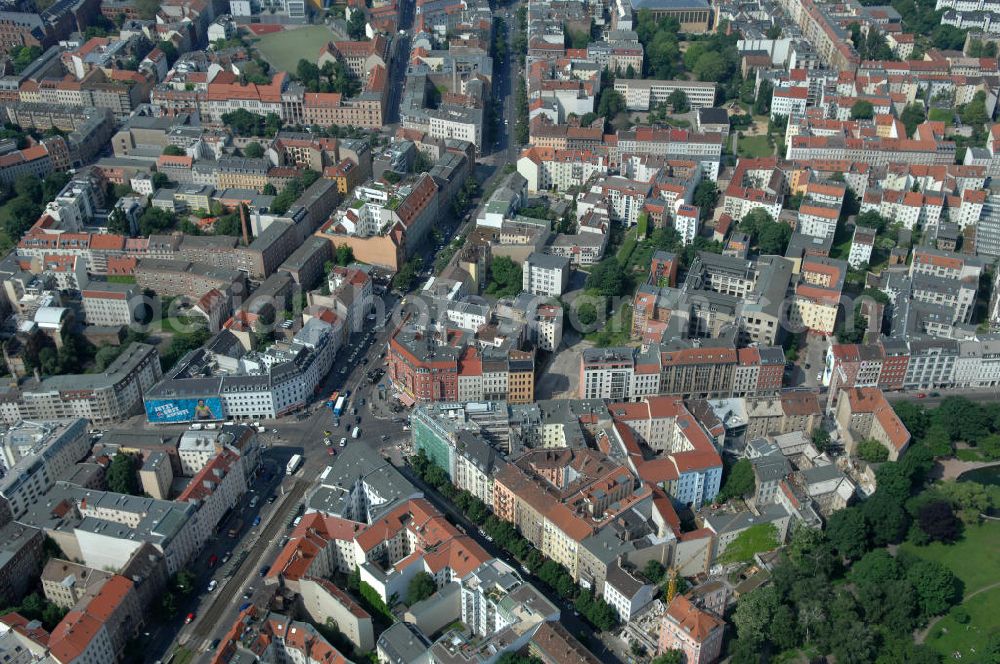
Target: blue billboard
(163, 411)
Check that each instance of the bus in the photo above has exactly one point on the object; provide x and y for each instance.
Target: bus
(293, 464)
(339, 407)
(333, 399)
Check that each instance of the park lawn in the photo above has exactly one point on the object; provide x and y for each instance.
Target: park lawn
(754, 146)
(941, 115)
(284, 49)
(177, 324)
(974, 559)
(617, 331)
(949, 636)
(628, 245)
(755, 539)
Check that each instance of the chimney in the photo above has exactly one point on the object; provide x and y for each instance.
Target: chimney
(243, 224)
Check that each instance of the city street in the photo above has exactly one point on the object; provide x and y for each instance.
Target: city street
(370, 407)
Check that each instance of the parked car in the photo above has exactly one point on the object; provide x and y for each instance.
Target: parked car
(212, 585)
(264, 570)
(189, 618)
(256, 521)
(244, 606)
(212, 559)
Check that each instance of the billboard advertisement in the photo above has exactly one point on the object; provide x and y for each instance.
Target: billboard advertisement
(163, 411)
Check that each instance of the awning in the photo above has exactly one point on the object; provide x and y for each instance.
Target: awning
(405, 399)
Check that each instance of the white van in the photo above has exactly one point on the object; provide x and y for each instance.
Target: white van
(356, 433)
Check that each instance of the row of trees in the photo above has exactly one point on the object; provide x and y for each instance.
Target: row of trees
(245, 123)
(549, 572)
(331, 77)
(40, 353)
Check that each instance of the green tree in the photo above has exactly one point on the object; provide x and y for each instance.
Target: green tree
(872, 451)
(862, 110)
(269, 190)
(654, 571)
(155, 220)
(587, 314)
(970, 498)
(122, 474)
(706, 194)
(678, 101)
(117, 223)
(773, 238)
(887, 520)
(421, 587)
(610, 104)
(948, 38)
(974, 113)
(937, 520)
(739, 482)
(820, 438)
(912, 116)
(914, 417)
(160, 180)
(848, 533)
(669, 657)
(173, 151)
(710, 67)
(937, 588)
(762, 103)
(344, 255)
(29, 187)
(147, 8)
(608, 278)
(356, 25)
(754, 614)
(254, 150)
(875, 567)
(505, 277)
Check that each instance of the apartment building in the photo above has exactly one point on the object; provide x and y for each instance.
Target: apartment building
(545, 274)
(866, 415)
(644, 94)
(36, 454)
(102, 398)
(170, 278)
(109, 303)
(216, 489)
(817, 295)
(695, 632)
(547, 168)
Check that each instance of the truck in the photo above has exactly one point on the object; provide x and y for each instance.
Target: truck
(338, 408)
(293, 464)
(235, 529)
